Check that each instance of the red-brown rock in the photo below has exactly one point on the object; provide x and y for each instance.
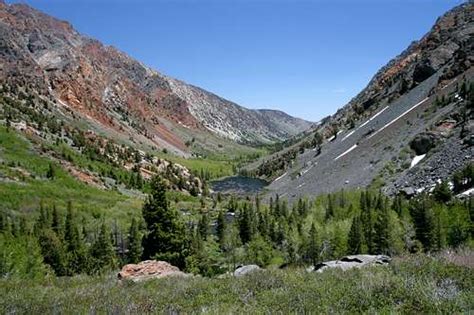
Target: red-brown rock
(149, 269)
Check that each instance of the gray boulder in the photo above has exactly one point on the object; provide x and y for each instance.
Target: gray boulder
(244, 270)
(355, 261)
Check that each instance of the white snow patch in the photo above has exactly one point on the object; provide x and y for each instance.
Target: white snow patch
(373, 117)
(306, 170)
(468, 192)
(348, 135)
(420, 190)
(347, 151)
(403, 114)
(417, 160)
(280, 177)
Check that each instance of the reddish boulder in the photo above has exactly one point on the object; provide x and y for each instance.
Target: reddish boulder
(149, 269)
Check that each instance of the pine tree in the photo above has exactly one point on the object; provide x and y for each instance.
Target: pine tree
(165, 236)
(424, 221)
(134, 243)
(367, 218)
(52, 250)
(221, 227)
(56, 224)
(442, 192)
(102, 250)
(355, 237)
(313, 245)
(3, 223)
(76, 254)
(382, 227)
(330, 208)
(51, 173)
(339, 243)
(230, 244)
(246, 224)
(203, 226)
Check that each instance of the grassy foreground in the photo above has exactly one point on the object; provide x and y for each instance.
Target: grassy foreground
(415, 284)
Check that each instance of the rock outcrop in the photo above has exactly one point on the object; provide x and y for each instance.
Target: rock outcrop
(245, 270)
(149, 269)
(356, 261)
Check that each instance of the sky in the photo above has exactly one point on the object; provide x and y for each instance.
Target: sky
(307, 58)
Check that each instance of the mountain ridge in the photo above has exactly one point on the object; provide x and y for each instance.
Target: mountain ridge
(100, 82)
(424, 92)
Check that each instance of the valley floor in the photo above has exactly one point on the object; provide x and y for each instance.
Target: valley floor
(411, 284)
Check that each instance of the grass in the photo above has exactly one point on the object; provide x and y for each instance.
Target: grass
(24, 185)
(414, 284)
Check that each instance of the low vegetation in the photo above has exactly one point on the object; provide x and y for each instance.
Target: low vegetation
(411, 284)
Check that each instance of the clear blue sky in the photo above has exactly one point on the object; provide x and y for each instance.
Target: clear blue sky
(307, 58)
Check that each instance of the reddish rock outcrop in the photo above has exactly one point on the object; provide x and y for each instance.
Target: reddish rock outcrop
(149, 269)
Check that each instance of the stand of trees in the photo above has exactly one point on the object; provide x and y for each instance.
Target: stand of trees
(236, 231)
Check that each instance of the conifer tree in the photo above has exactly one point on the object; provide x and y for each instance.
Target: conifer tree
(368, 220)
(51, 173)
(339, 243)
(313, 245)
(102, 250)
(355, 237)
(56, 224)
(442, 192)
(76, 254)
(165, 236)
(221, 227)
(52, 250)
(382, 226)
(245, 224)
(424, 221)
(203, 226)
(134, 243)
(330, 208)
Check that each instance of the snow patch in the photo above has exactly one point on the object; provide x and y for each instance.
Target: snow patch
(280, 177)
(468, 192)
(373, 117)
(403, 114)
(347, 151)
(348, 135)
(417, 160)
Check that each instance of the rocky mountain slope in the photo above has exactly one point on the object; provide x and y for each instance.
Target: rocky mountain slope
(425, 92)
(118, 95)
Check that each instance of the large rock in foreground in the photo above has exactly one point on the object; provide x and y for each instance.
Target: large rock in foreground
(149, 269)
(355, 261)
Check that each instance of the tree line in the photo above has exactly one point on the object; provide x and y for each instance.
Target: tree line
(235, 231)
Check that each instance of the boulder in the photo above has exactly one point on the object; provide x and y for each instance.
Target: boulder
(149, 269)
(244, 270)
(424, 142)
(355, 261)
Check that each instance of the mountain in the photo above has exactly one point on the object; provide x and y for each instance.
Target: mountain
(418, 109)
(119, 96)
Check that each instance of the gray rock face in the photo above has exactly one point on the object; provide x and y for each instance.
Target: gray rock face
(378, 125)
(244, 270)
(356, 261)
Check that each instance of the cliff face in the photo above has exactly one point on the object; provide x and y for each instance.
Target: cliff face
(47, 56)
